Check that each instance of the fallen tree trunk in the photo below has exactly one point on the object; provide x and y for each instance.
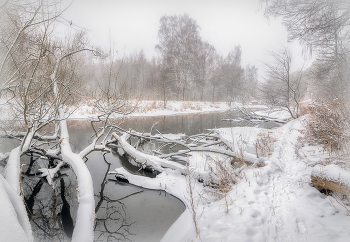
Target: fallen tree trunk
(199, 143)
(158, 164)
(145, 161)
(332, 178)
(321, 184)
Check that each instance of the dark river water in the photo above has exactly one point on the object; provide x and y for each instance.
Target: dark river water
(123, 212)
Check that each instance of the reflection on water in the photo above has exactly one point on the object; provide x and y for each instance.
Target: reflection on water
(123, 212)
(127, 212)
(51, 208)
(112, 222)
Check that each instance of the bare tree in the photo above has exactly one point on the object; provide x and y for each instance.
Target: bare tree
(322, 26)
(281, 88)
(24, 35)
(40, 71)
(234, 73)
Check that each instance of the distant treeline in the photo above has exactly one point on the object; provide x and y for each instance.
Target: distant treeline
(186, 68)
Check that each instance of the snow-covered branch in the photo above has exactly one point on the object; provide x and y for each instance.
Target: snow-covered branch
(93, 146)
(83, 230)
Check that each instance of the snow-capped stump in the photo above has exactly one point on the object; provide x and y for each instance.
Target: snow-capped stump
(332, 178)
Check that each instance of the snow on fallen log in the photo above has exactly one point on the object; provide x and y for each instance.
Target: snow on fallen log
(228, 143)
(199, 144)
(18, 206)
(120, 177)
(201, 148)
(12, 169)
(158, 164)
(331, 177)
(171, 181)
(146, 161)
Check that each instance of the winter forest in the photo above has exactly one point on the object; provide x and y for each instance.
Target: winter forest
(98, 143)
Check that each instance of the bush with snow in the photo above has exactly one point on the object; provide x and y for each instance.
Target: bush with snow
(327, 125)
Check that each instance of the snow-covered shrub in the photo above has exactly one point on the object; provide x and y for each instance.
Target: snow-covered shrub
(327, 125)
(264, 144)
(225, 176)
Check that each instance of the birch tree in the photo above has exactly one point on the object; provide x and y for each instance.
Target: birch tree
(178, 39)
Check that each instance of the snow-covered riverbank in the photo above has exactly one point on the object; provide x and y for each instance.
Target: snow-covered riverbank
(275, 202)
(144, 108)
(156, 108)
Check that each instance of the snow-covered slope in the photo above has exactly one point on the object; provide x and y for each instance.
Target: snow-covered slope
(275, 202)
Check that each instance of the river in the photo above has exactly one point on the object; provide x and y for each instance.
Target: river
(123, 212)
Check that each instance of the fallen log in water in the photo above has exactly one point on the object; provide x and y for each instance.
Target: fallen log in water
(158, 164)
(198, 143)
(146, 161)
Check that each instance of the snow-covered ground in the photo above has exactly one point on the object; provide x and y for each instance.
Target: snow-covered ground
(275, 202)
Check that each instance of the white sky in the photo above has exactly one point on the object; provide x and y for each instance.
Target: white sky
(224, 23)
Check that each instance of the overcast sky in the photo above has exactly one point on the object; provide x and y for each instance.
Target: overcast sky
(134, 24)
